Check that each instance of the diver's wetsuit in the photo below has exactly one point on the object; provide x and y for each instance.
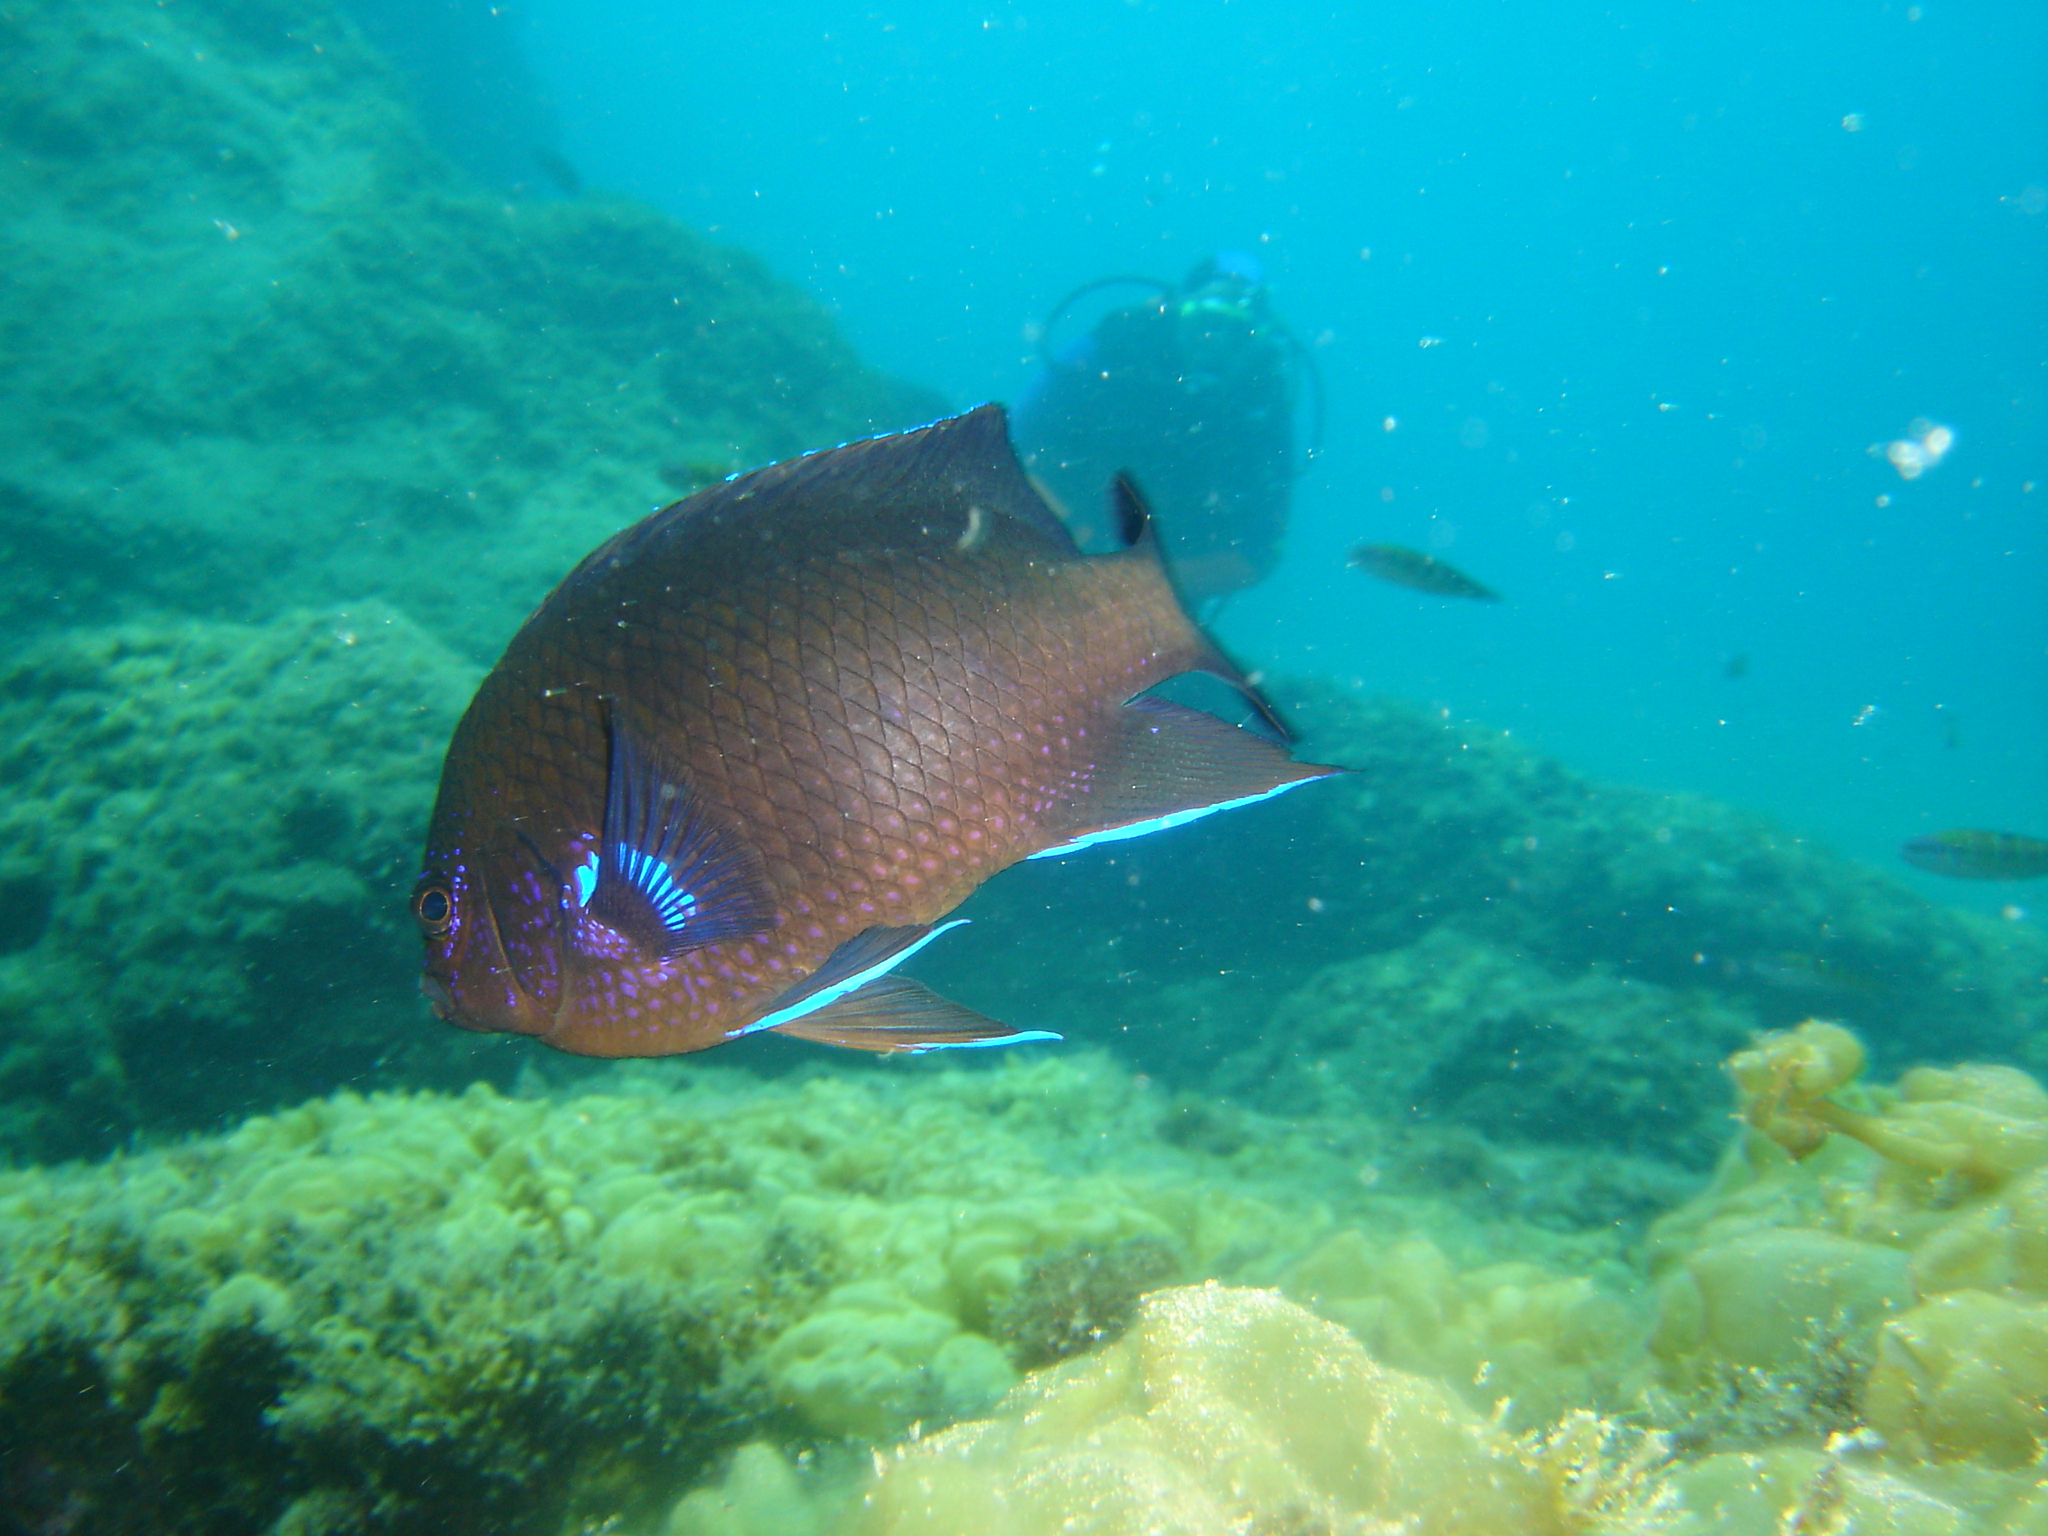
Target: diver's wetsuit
(1212, 451)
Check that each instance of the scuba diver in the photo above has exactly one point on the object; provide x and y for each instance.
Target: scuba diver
(1192, 390)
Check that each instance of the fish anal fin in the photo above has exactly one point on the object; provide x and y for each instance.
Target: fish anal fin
(1170, 765)
(895, 1014)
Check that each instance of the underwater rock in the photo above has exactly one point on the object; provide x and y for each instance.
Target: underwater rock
(428, 1314)
(870, 1360)
(1223, 1410)
(1512, 1339)
(1964, 1376)
(760, 1492)
(219, 823)
(269, 350)
(1456, 1029)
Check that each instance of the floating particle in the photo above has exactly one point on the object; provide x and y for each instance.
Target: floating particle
(1924, 446)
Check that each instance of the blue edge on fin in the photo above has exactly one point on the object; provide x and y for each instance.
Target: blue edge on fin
(825, 996)
(1161, 823)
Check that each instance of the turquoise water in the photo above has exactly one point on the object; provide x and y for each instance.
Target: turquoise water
(1683, 265)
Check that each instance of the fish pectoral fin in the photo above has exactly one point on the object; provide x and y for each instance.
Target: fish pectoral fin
(894, 1013)
(669, 877)
(1170, 765)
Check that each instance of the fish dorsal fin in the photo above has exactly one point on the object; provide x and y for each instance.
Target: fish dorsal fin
(1138, 532)
(667, 876)
(894, 1013)
(954, 482)
(1170, 765)
(970, 456)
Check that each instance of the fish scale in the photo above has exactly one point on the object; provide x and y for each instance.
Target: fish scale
(832, 697)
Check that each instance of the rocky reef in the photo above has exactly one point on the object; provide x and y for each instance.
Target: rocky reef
(700, 1307)
(1464, 933)
(270, 351)
(420, 1312)
(209, 829)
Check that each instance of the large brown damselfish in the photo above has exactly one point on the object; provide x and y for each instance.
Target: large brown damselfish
(749, 754)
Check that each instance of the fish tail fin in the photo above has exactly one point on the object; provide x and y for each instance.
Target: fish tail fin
(1221, 667)
(1139, 533)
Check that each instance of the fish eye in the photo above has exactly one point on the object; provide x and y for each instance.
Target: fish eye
(433, 908)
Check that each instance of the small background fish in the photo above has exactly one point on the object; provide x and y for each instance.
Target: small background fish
(1969, 853)
(1406, 567)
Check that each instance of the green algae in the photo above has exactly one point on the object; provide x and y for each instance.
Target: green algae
(218, 823)
(1080, 1298)
(1453, 1028)
(270, 351)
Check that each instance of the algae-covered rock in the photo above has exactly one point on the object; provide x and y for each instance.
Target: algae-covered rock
(1964, 1376)
(416, 1313)
(267, 350)
(1790, 1489)
(1514, 1339)
(1081, 1297)
(205, 841)
(1455, 1029)
(1222, 1411)
(490, 1314)
(1228, 1411)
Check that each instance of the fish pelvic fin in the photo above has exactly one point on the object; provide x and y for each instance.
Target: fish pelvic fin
(895, 1014)
(869, 954)
(1170, 765)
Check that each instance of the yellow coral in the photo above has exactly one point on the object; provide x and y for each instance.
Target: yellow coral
(1924, 1250)
(1964, 1375)
(1785, 1078)
(1221, 1411)
(1513, 1332)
